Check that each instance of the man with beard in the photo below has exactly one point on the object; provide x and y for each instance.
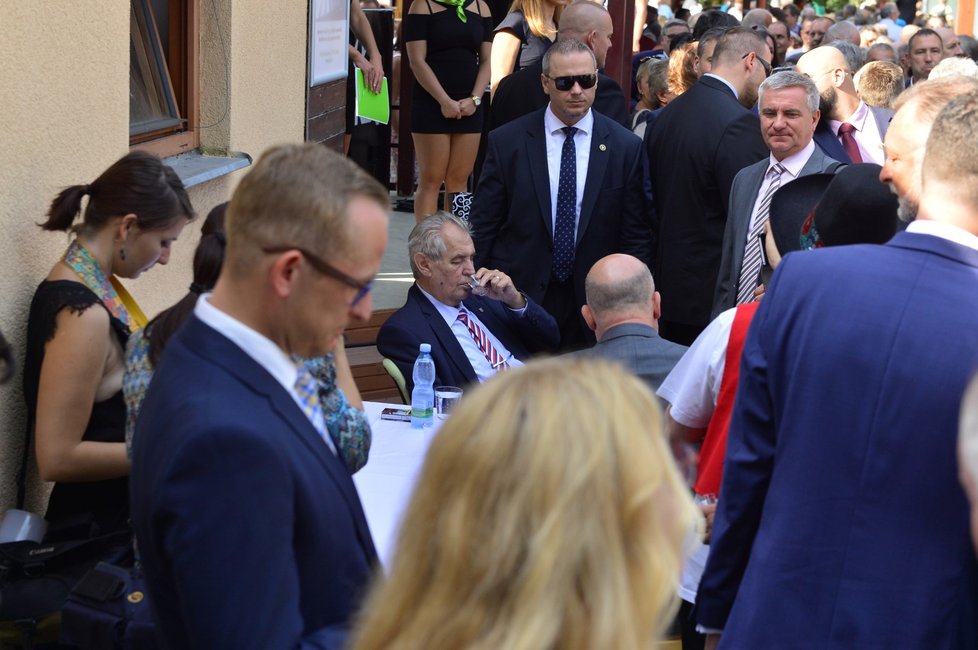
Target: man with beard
(916, 109)
(849, 129)
(696, 147)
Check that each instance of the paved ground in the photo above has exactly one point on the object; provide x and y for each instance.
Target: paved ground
(391, 285)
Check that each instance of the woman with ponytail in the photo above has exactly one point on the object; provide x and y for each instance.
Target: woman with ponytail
(74, 362)
(345, 420)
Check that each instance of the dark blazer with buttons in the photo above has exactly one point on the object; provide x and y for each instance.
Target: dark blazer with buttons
(512, 226)
(418, 321)
(743, 196)
(697, 146)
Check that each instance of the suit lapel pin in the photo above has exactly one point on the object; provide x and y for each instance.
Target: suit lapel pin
(481, 310)
(602, 147)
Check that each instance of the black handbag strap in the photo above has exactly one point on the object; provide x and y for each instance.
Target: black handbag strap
(24, 459)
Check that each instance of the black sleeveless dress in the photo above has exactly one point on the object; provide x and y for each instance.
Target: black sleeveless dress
(453, 55)
(106, 501)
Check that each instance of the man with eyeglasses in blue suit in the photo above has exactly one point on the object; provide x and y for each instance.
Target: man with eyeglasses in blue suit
(250, 528)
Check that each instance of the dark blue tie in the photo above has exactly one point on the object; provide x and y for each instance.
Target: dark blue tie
(566, 208)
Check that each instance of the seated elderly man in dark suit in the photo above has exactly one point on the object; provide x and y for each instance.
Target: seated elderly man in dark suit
(472, 337)
(623, 311)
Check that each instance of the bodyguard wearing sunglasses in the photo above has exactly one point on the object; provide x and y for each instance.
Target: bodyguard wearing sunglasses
(250, 528)
(560, 189)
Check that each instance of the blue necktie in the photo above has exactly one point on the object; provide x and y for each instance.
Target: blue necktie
(566, 208)
(307, 388)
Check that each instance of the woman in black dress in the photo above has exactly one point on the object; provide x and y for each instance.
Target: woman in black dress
(74, 363)
(448, 43)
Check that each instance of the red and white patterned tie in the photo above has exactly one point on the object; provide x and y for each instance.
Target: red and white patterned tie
(485, 345)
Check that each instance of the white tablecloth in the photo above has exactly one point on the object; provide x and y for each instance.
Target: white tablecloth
(386, 481)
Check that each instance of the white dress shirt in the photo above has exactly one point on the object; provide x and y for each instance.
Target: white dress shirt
(944, 231)
(793, 165)
(483, 369)
(867, 134)
(555, 146)
(259, 347)
(725, 82)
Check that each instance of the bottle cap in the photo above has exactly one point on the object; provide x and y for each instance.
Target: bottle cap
(426, 347)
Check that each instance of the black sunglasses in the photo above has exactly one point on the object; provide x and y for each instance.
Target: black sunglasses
(316, 262)
(764, 64)
(564, 84)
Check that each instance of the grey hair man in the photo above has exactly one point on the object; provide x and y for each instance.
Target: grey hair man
(842, 31)
(912, 303)
(789, 111)
(849, 129)
(623, 310)
(881, 52)
(916, 109)
(476, 320)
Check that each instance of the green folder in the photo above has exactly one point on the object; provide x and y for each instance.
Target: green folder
(368, 105)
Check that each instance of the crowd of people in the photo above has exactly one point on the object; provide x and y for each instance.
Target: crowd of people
(742, 438)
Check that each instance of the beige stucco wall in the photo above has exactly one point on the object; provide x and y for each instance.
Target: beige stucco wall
(65, 81)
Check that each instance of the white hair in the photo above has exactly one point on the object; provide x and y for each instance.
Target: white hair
(953, 66)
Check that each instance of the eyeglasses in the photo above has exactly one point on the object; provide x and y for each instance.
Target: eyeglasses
(564, 84)
(764, 64)
(316, 262)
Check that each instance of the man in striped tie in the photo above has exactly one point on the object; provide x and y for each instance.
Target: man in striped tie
(477, 322)
(788, 108)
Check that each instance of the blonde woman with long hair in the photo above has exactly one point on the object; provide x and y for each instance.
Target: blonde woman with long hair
(523, 36)
(549, 514)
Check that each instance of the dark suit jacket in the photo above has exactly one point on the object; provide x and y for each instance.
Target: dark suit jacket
(697, 146)
(250, 528)
(419, 322)
(829, 142)
(512, 226)
(743, 196)
(640, 349)
(522, 92)
(841, 523)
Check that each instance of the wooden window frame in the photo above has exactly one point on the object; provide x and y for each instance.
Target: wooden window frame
(184, 72)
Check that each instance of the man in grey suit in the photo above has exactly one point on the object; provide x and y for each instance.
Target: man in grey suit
(788, 108)
(622, 310)
(850, 130)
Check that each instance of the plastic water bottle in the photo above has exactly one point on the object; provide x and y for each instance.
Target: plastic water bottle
(423, 395)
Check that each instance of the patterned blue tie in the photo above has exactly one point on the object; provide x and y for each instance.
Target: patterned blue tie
(566, 208)
(307, 388)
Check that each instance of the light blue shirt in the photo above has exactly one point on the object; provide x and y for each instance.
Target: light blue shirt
(480, 364)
